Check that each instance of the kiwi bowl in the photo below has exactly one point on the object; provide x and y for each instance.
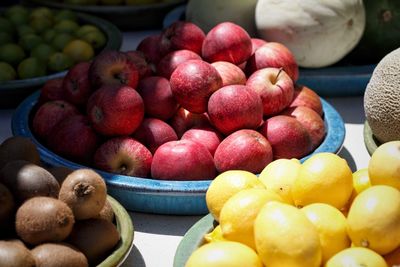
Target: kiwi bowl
(160, 196)
(14, 91)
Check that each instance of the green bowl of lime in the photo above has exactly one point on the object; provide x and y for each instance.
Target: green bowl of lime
(40, 44)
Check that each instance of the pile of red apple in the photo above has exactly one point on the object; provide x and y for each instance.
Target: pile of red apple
(184, 105)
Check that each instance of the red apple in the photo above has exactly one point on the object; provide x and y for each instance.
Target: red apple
(184, 120)
(274, 87)
(230, 73)
(159, 102)
(76, 85)
(273, 55)
(207, 136)
(287, 136)
(150, 47)
(235, 107)
(243, 150)
(169, 62)
(144, 66)
(49, 114)
(256, 43)
(193, 82)
(181, 35)
(123, 155)
(153, 133)
(304, 96)
(52, 90)
(182, 160)
(113, 67)
(227, 41)
(115, 110)
(311, 120)
(74, 139)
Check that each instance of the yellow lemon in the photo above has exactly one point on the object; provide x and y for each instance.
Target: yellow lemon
(331, 227)
(226, 185)
(224, 254)
(280, 175)
(285, 237)
(215, 235)
(356, 257)
(374, 219)
(384, 165)
(323, 178)
(239, 212)
(361, 180)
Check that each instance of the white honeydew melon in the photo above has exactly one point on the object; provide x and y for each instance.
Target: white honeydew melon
(318, 32)
(208, 13)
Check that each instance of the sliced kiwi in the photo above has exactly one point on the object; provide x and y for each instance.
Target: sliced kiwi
(18, 147)
(26, 180)
(58, 254)
(43, 219)
(85, 192)
(15, 254)
(95, 238)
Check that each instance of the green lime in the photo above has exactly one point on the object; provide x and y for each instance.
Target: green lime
(81, 2)
(31, 67)
(42, 12)
(30, 41)
(18, 18)
(11, 53)
(25, 30)
(59, 62)
(60, 40)
(66, 25)
(79, 50)
(16, 9)
(96, 39)
(5, 38)
(43, 52)
(7, 72)
(65, 14)
(41, 24)
(6, 26)
(85, 29)
(49, 35)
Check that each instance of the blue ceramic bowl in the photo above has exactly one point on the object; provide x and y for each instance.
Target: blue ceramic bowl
(158, 196)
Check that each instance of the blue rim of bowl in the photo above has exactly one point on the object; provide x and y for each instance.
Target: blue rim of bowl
(20, 125)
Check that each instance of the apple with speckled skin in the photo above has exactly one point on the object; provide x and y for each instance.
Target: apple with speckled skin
(150, 47)
(143, 65)
(230, 73)
(207, 136)
(76, 84)
(170, 61)
(184, 120)
(51, 90)
(304, 96)
(123, 155)
(182, 160)
(243, 150)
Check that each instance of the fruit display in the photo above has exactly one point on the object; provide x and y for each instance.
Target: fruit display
(176, 110)
(40, 41)
(316, 213)
(55, 216)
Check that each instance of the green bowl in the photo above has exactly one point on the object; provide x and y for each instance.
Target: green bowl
(126, 231)
(125, 17)
(370, 141)
(13, 92)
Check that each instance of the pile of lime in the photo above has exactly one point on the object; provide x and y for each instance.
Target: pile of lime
(40, 41)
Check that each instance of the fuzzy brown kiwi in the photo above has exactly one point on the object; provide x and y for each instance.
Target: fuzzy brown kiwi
(95, 238)
(85, 192)
(58, 254)
(60, 172)
(18, 147)
(7, 205)
(43, 219)
(15, 254)
(26, 180)
(106, 213)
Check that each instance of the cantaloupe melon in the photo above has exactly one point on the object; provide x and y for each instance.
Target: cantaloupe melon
(382, 98)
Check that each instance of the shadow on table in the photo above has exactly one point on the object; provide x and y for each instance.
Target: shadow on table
(350, 108)
(163, 224)
(344, 153)
(135, 258)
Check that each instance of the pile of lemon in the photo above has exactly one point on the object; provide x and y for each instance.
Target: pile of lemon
(315, 213)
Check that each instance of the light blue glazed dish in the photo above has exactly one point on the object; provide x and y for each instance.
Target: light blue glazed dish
(158, 196)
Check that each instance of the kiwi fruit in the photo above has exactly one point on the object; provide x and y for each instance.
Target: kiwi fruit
(7, 205)
(18, 147)
(107, 212)
(15, 254)
(43, 219)
(95, 238)
(58, 255)
(60, 172)
(85, 192)
(26, 180)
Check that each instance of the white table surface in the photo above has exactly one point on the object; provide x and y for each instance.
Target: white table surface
(157, 236)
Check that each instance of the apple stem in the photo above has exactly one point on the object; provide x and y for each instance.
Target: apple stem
(277, 75)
